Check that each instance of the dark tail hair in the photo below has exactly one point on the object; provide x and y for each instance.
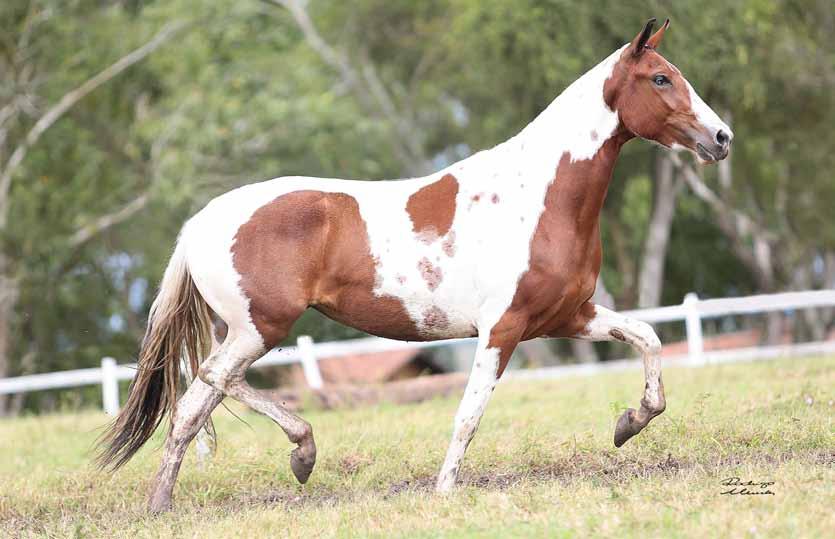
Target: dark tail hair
(179, 323)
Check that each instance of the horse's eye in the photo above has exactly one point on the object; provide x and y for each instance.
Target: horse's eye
(661, 80)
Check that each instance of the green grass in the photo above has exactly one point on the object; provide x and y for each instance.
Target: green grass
(542, 464)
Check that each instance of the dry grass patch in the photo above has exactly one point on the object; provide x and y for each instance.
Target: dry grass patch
(542, 464)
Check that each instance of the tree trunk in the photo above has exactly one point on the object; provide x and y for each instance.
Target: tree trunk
(812, 322)
(624, 263)
(752, 243)
(8, 297)
(9, 167)
(583, 351)
(602, 296)
(828, 282)
(667, 188)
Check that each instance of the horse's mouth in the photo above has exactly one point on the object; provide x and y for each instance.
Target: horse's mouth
(705, 154)
(711, 156)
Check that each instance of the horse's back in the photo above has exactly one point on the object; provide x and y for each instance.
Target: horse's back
(266, 251)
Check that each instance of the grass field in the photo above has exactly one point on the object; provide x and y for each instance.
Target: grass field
(542, 465)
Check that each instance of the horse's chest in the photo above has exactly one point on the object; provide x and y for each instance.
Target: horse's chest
(562, 273)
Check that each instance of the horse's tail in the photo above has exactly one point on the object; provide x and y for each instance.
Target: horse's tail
(179, 323)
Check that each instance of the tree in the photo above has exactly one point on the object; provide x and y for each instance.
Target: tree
(18, 137)
(377, 89)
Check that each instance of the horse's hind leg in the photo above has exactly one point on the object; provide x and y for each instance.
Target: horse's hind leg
(192, 412)
(206, 439)
(225, 371)
(606, 325)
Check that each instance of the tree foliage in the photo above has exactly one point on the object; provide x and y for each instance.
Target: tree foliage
(244, 93)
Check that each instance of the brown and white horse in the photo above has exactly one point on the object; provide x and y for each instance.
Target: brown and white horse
(504, 245)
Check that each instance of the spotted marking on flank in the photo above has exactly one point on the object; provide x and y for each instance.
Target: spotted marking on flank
(448, 245)
(435, 319)
(431, 274)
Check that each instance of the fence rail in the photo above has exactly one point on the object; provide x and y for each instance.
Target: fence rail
(692, 311)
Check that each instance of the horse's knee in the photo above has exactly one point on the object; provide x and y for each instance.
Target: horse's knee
(223, 381)
(648, 339)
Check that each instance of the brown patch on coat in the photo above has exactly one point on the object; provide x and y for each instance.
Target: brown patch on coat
(309, 248)
(448, 245)
(432, 208)
(431, 274)
(565, 254)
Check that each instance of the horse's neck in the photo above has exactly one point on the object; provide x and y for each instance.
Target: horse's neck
(570, 149)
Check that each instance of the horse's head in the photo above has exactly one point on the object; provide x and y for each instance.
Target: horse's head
(655, 102)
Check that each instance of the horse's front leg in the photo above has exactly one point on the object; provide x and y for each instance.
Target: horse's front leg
(607, 325)
(494, 350)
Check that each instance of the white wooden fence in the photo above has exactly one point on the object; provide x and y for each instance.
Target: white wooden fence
(692, 311)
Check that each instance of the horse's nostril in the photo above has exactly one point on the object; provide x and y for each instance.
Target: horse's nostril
(722, 138)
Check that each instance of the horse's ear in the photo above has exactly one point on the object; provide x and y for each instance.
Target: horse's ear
(640, 41)
(656, 38)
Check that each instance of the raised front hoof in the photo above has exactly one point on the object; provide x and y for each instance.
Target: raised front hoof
(302, 460)
(627, 427)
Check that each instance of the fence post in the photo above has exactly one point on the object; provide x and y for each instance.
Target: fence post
(693, 324)
(109, 386)
(304, 345)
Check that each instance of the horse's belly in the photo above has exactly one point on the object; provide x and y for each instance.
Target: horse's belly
(409, 318)
(381, 277)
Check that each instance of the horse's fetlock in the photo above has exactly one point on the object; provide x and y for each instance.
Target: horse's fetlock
(306, 432)
(302, 434)
(654, 406)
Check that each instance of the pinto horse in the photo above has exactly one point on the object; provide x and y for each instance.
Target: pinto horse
(504, 245)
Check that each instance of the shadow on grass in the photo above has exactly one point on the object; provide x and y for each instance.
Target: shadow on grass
(604, 469)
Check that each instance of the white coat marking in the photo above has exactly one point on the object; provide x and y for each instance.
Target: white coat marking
(491, 237)
(705, 114)
(480, 386)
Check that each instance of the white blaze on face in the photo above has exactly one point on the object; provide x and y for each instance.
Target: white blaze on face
(705, 115)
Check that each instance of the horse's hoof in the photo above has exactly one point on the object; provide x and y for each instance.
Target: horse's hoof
(302, 463)
(626, 428)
